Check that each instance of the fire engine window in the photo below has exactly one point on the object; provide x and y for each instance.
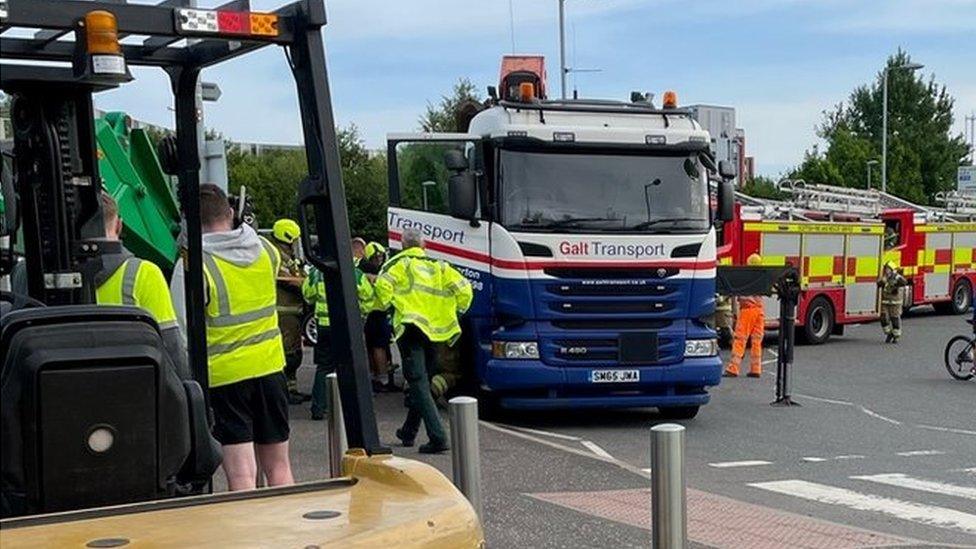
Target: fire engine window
(423, 176)
(892, 236)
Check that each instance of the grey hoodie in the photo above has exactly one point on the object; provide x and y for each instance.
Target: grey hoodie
(242, 247)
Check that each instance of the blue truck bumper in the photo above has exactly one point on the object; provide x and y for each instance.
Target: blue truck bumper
(527, 384)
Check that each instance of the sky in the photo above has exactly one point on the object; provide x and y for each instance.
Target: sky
(780, 63)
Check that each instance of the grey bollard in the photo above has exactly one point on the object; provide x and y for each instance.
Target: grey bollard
(336, 427)
(465, 449)
(669, 527)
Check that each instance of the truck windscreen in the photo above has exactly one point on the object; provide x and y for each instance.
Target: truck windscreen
(583, 192)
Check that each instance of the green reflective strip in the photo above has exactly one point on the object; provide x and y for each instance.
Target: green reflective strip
(294, 310)
(223, 321)
(427, 268)
(129, 281)
(459, 285)
(423, 288)
(168, 325)
(223, 298)
(419, 320)
(224, 348)
(269, 247)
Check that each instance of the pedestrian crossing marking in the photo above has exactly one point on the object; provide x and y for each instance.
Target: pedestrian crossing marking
(904, 481)
(921, 453)
(744, 463)
(905, 510)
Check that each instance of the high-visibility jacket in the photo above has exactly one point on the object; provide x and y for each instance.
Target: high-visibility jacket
(243, 340)
(313, 288)
(424, 292)
(140, 283)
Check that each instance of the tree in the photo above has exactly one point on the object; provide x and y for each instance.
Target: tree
(763, 187)
(922, 153)
(443, 117)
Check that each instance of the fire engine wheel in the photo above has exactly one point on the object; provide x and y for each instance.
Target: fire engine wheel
(962, 296)
(819, 322)
(310, 329)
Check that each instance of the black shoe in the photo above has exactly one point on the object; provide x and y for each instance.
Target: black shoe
(889, 338)
(433, 448)
(406, 442)
(894, 340)
(295, 398)
(318, 416)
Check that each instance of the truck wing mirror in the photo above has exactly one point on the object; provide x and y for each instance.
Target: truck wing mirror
(462, 190)
(726, 201)
(726, 170)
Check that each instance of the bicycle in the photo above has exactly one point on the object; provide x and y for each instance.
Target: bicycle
(960, 355)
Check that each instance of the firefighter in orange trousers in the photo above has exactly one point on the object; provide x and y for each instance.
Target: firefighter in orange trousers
(750, 324)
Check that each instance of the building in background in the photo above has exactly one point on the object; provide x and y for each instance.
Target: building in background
(728, 142)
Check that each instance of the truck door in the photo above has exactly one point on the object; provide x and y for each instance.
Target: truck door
(419, 199)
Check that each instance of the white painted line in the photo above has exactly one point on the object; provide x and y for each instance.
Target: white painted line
(543, 433)
(813, 459)
(745, 463)
(921, 453)
(827, 400)
(596, 449)
(905, 510)
(903, 481)
(947, 430)
(850, 456)
(971, 470)
(879, 416)
(647, 470)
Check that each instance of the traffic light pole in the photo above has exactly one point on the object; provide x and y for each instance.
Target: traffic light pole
(788, 290)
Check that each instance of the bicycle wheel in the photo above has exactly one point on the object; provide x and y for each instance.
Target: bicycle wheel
(959, 357)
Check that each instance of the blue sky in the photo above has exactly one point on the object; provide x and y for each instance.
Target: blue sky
(780, 63)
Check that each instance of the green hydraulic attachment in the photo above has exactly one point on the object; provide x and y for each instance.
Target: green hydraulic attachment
(131, 173)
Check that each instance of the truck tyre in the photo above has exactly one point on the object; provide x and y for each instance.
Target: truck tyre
(310, 329)
(679, 412)
(819, 322)
(962, 297)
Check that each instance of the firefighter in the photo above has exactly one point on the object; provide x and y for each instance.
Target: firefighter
(724, 320)
(891, 284)
(427, 297)
(751, 325)
(290, 303)
(377, 326)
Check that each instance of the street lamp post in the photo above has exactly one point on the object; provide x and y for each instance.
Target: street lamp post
(424, 186)
(870, 163)
(884, 120)
(562, 48)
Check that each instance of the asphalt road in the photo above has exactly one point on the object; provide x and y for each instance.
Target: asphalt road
(882, 452)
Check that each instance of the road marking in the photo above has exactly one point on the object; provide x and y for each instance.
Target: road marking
(827, 400)
(905, 510)
(879, 416)
(813, 459)
(744, 463)
(850, 456)
(903, 481)
(596, 449)
(947, 429)
(921, 453)
(543, 433)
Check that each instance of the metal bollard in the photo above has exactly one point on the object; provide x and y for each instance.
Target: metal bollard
(668, 505)
(336, 427)
(465, 449)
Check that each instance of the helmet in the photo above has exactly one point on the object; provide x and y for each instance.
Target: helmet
(373, 249)
(754, 260)
(286, 230)
(891, 265)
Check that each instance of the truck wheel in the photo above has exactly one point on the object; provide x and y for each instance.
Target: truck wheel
(679, 412)
(819, 322)
(962, 297)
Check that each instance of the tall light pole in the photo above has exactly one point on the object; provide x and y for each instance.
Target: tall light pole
(884, 120)
(563, 70)
(870, 163)
(424, 186)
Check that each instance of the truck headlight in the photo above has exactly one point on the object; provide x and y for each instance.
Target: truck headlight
(701, 347)
(515, 349)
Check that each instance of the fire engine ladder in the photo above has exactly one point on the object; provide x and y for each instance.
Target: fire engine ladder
(831, 199)
(769, 209)
(957, 202)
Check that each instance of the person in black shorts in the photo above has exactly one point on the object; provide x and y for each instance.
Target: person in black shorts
(377, 328)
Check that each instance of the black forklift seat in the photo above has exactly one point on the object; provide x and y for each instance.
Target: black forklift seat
(93, 413)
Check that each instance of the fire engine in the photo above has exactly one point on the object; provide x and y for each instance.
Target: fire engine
(839, 238)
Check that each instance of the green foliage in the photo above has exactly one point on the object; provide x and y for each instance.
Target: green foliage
(443, 117)
(272, 180)
(922, 153)
(763, 187)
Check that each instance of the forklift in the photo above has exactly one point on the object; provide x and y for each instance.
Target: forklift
(103, 445)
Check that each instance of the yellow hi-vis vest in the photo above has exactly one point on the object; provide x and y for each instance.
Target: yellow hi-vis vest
(425, 292)
(313, 288)
(243, 340)
(140, 283)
